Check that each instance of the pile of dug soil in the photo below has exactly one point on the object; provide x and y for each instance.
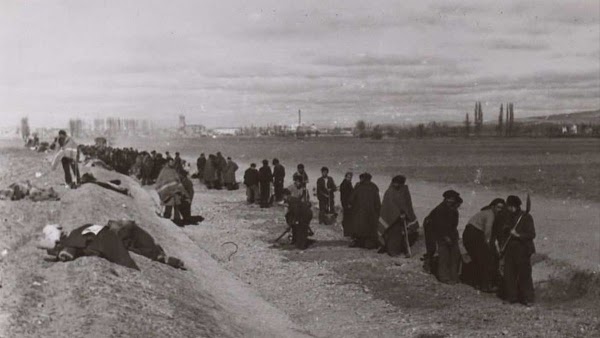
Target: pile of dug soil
(93, 297)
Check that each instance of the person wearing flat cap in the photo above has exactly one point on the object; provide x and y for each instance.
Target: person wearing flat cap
(441, 236)
(518, 283)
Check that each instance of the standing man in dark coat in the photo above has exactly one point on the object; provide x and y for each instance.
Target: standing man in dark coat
(251, 183)
(325, 194)
(345, 192)
(221, 165)
(186, 202)
(366, 204)
(229, 175)
(265, 177)
(442, 226)
(200, 164)
(178, 162)
(278, 179)
(210, 176)
(518, 283)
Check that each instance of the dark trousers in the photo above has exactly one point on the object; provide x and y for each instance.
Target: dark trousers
(169, 209)
(346, 221)
(265, 194)
(449, 256)
(326, 206)
(69, 164)
(185, 208)
(518, 283)
(478, 250)
(278, 187)
(430, 242)
(252, 193)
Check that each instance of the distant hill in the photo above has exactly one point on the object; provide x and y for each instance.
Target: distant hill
(575, 118)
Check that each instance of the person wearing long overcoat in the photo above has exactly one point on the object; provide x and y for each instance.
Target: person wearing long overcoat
(210, 173)
(345, 192)
(229, 174)
(366, 204)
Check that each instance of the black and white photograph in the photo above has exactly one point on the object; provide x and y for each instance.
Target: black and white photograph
(278, 168)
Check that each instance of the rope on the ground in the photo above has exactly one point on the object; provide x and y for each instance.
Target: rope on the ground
(233, 253)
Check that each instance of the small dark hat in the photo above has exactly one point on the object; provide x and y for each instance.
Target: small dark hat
(514, 201)
(324, 169)
(451, 194)
(399, 179)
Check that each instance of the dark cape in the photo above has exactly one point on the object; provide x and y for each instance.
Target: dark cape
(366, 204)
(397, 202)
(169, 187)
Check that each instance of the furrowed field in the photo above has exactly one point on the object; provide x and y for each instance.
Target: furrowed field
(562, 168)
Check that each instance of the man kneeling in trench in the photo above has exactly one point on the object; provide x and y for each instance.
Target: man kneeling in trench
(111, 242)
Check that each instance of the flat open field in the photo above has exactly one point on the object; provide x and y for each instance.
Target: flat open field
(561, 168)
(327, 290)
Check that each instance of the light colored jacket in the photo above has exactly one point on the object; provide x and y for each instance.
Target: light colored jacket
(484, 221)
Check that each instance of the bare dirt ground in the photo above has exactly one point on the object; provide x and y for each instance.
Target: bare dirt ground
(334, 290)
(95, 298)
(272, 290)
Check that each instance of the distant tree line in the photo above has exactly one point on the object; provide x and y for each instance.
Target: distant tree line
(474, 127)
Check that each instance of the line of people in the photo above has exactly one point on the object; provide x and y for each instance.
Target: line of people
(391, 226)
(217, 172)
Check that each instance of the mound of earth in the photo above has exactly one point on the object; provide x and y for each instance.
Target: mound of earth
(93, 297)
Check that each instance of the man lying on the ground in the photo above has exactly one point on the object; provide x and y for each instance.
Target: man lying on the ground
(112, 185)
(111, 242)
(24, 189)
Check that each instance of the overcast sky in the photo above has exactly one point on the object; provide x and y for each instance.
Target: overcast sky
(232, 63)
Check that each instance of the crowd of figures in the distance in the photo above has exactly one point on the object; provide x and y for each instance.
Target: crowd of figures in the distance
(493, 255)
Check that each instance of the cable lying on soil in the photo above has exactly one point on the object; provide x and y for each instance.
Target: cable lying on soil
(233, 253)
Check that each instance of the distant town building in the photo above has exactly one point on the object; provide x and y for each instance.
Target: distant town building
(225, 131)
(181, 121)
(194, 130)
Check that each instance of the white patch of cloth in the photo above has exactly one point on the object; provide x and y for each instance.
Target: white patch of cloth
(51, 235)
(94, 229)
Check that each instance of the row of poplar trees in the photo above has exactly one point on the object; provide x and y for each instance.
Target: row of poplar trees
(505, 125)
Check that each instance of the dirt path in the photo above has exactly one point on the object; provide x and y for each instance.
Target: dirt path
(333, 290)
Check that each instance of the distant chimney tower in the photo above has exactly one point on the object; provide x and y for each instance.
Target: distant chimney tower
(299, 117)
(181, 121)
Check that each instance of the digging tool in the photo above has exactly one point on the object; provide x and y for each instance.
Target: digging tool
(283, 234)
(408, 251)
(510, 236)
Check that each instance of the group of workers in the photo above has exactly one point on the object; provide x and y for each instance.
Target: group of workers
(500, 233)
